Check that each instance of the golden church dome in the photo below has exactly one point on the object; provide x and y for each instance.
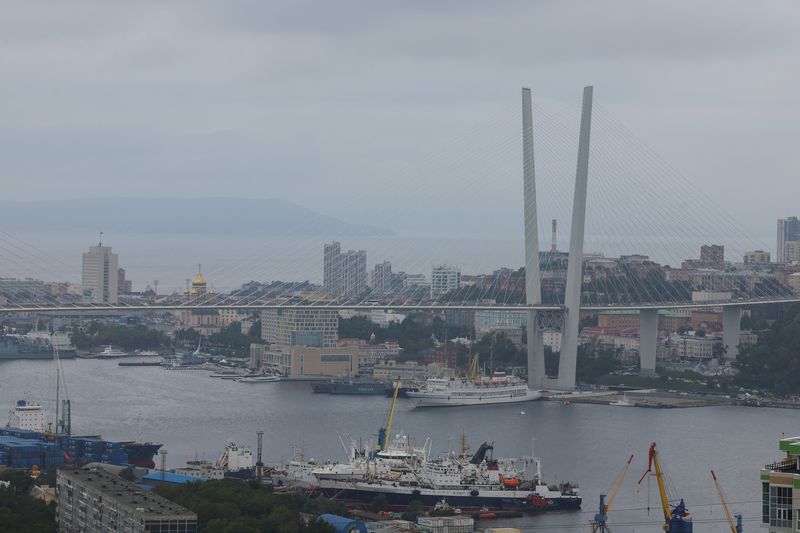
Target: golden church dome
(199, 279)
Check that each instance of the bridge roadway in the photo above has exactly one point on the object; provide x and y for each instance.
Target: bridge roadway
(79, 308)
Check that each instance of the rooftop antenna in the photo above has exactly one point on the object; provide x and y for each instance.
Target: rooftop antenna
(101, 239)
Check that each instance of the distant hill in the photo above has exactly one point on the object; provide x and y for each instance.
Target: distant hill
(178, 215)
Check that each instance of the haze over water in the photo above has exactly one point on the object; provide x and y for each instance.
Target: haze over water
(193, 415)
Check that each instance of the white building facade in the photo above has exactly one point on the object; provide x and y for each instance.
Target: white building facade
(100, 275)
(444, 279)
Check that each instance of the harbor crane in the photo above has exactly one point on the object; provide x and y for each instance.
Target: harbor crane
(676, 519)
(385, 433)
(735, 525)
(599, 523)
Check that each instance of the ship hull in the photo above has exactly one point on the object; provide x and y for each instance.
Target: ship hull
(463, 498)
(6, 354)
(422, 399)
(141, 454)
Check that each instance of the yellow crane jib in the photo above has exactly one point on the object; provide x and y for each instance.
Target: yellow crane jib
(474, 369)
(735, 525)
(599, 523)
(675, 520)
(385, 432)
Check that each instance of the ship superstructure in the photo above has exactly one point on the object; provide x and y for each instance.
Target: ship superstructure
(29, 416)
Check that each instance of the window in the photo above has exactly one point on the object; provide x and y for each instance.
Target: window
(765, 503)
(780, 506)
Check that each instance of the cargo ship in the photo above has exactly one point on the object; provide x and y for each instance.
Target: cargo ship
(25, 442)
(141, 453)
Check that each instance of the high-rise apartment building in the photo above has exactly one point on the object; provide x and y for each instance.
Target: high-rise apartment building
(444, 279)
(382, 277)
(100, 275)
(285, 328)
(345, 273)
(788, 231)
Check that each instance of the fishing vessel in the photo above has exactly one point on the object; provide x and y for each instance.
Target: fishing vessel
(475, 482)
(402, 473)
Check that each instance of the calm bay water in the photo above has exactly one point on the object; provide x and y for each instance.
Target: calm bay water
(193, 415)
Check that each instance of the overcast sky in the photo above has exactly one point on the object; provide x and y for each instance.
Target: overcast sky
(324, 103)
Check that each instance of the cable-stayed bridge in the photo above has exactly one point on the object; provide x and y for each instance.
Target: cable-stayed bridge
(624, 198)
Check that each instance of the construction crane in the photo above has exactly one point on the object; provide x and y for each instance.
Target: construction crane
(385, 432)
(599, 523)
(474, 368)
(735, 525)
(676, 520)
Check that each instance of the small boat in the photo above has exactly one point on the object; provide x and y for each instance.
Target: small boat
(109, 352)
(623, 402)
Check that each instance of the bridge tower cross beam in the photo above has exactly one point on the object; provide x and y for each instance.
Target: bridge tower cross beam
(572, 299)
(533, 291)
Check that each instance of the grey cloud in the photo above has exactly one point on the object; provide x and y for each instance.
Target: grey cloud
(310, 101)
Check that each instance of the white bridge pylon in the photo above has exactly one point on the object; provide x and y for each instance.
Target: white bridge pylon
(572, 299)
(570, 311)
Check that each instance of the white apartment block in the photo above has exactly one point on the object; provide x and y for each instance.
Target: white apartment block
(444, 279)
(100, 271)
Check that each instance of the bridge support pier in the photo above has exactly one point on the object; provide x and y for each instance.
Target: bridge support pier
(536, 370)
(648, 341)
(533, 290)
(731, 324)
(572, 299)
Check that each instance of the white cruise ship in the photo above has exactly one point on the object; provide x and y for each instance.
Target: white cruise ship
(498, 389)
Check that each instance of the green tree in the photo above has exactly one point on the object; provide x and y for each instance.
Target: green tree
(774, 362)
(230, 506)
(20, 512)
(377, 503)
(414, 509)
